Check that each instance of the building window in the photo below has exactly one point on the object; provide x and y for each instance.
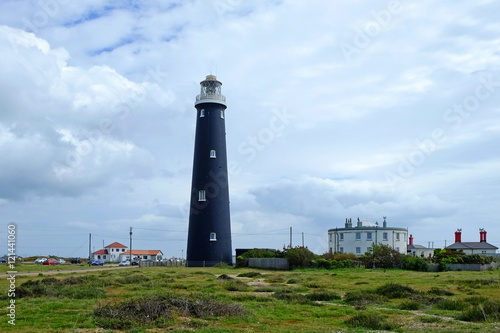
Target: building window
(397, 249)
(341, 250)
(358, 250)
(202, 113)
(213, 237)
(222, 114)
(144, 257)
(103, 257)
(358, 236)
(369, 236)
(341, 236)
(369, 249)
(213, 154)
(384, 235)
(202, 195)
(123, 250)
(483, 252)
(397, 235)
(330, 237)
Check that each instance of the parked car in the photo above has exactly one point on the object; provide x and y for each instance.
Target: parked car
(40, 260)
(49, 262)
(97, 263)
(135, 262)
(124, 263)
(60, 261)
(76, 261)
(2, 261)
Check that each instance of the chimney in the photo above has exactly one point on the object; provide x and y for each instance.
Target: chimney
(458, 236)
(384, 224)
(359, 223)
(411, 239)
(482, 235)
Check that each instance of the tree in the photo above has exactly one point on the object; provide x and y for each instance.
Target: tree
(383, 256)
(299, 257)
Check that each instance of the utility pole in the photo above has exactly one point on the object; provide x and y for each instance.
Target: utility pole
(290, 237)
(130, 246)
(302, 239)
(90, 246)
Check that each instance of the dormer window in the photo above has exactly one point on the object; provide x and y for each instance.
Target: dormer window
(202, 113)
(213, 154)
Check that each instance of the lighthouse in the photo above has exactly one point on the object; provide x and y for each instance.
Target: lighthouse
(209, 234)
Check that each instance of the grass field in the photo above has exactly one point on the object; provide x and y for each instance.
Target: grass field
(179, 299)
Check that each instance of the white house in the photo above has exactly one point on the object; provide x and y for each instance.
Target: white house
(110, 253)
(361, 238)
(416, 250)
(116, 252)
(481, 247)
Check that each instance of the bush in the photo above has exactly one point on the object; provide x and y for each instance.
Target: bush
(450, 304)
(395, 290)
(157, 311)
(299, 257)
(73, 287)
(361, 298)
(488, 310)
(410, 305)
(440, 292)
(382, 256)
(415, 264)
(371, 321)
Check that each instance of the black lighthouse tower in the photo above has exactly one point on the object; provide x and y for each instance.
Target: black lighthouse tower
(209, 235)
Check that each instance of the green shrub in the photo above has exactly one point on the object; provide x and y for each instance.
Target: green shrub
(415, 264)
(410, 305)
(157, 311)
(395, 290)
(430, 319)
(440, 292)
(361, 298)
(450, 304)
(234, 285)
(488, 310)
(299, 257)
(323, 295)
(371, 321)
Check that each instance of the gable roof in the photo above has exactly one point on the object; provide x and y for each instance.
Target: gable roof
(471, 245)
(116, 244)
(143, 252)
(101, 252)
(416, 246)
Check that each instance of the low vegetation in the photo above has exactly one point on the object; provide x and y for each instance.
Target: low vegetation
(226, 299)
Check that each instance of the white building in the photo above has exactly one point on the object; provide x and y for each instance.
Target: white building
(416, 250)
(360, 238)
(481, 247)
(110, 253)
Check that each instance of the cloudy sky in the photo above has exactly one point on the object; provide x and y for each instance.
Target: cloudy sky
(336, 109)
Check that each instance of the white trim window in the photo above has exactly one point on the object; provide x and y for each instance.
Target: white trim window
(202, 195)
(384, 236)
(202, 113)
(358, 250)
(358, 236)
(369, 236)
(222, 114)
(213, 154)
(213, 237)
(341, 236)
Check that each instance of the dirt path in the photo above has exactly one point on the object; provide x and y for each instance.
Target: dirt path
(64, 271)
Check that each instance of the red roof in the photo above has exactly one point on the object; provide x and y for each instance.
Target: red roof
(143, 252)
(116, 244)
(100, 252)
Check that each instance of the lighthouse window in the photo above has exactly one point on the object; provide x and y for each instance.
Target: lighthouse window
(222, 114)
(202, 195)
(212, 154)
(202, 113)
(213, 237)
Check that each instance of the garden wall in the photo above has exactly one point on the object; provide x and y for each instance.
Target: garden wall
(278, 263)
(464, 267)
